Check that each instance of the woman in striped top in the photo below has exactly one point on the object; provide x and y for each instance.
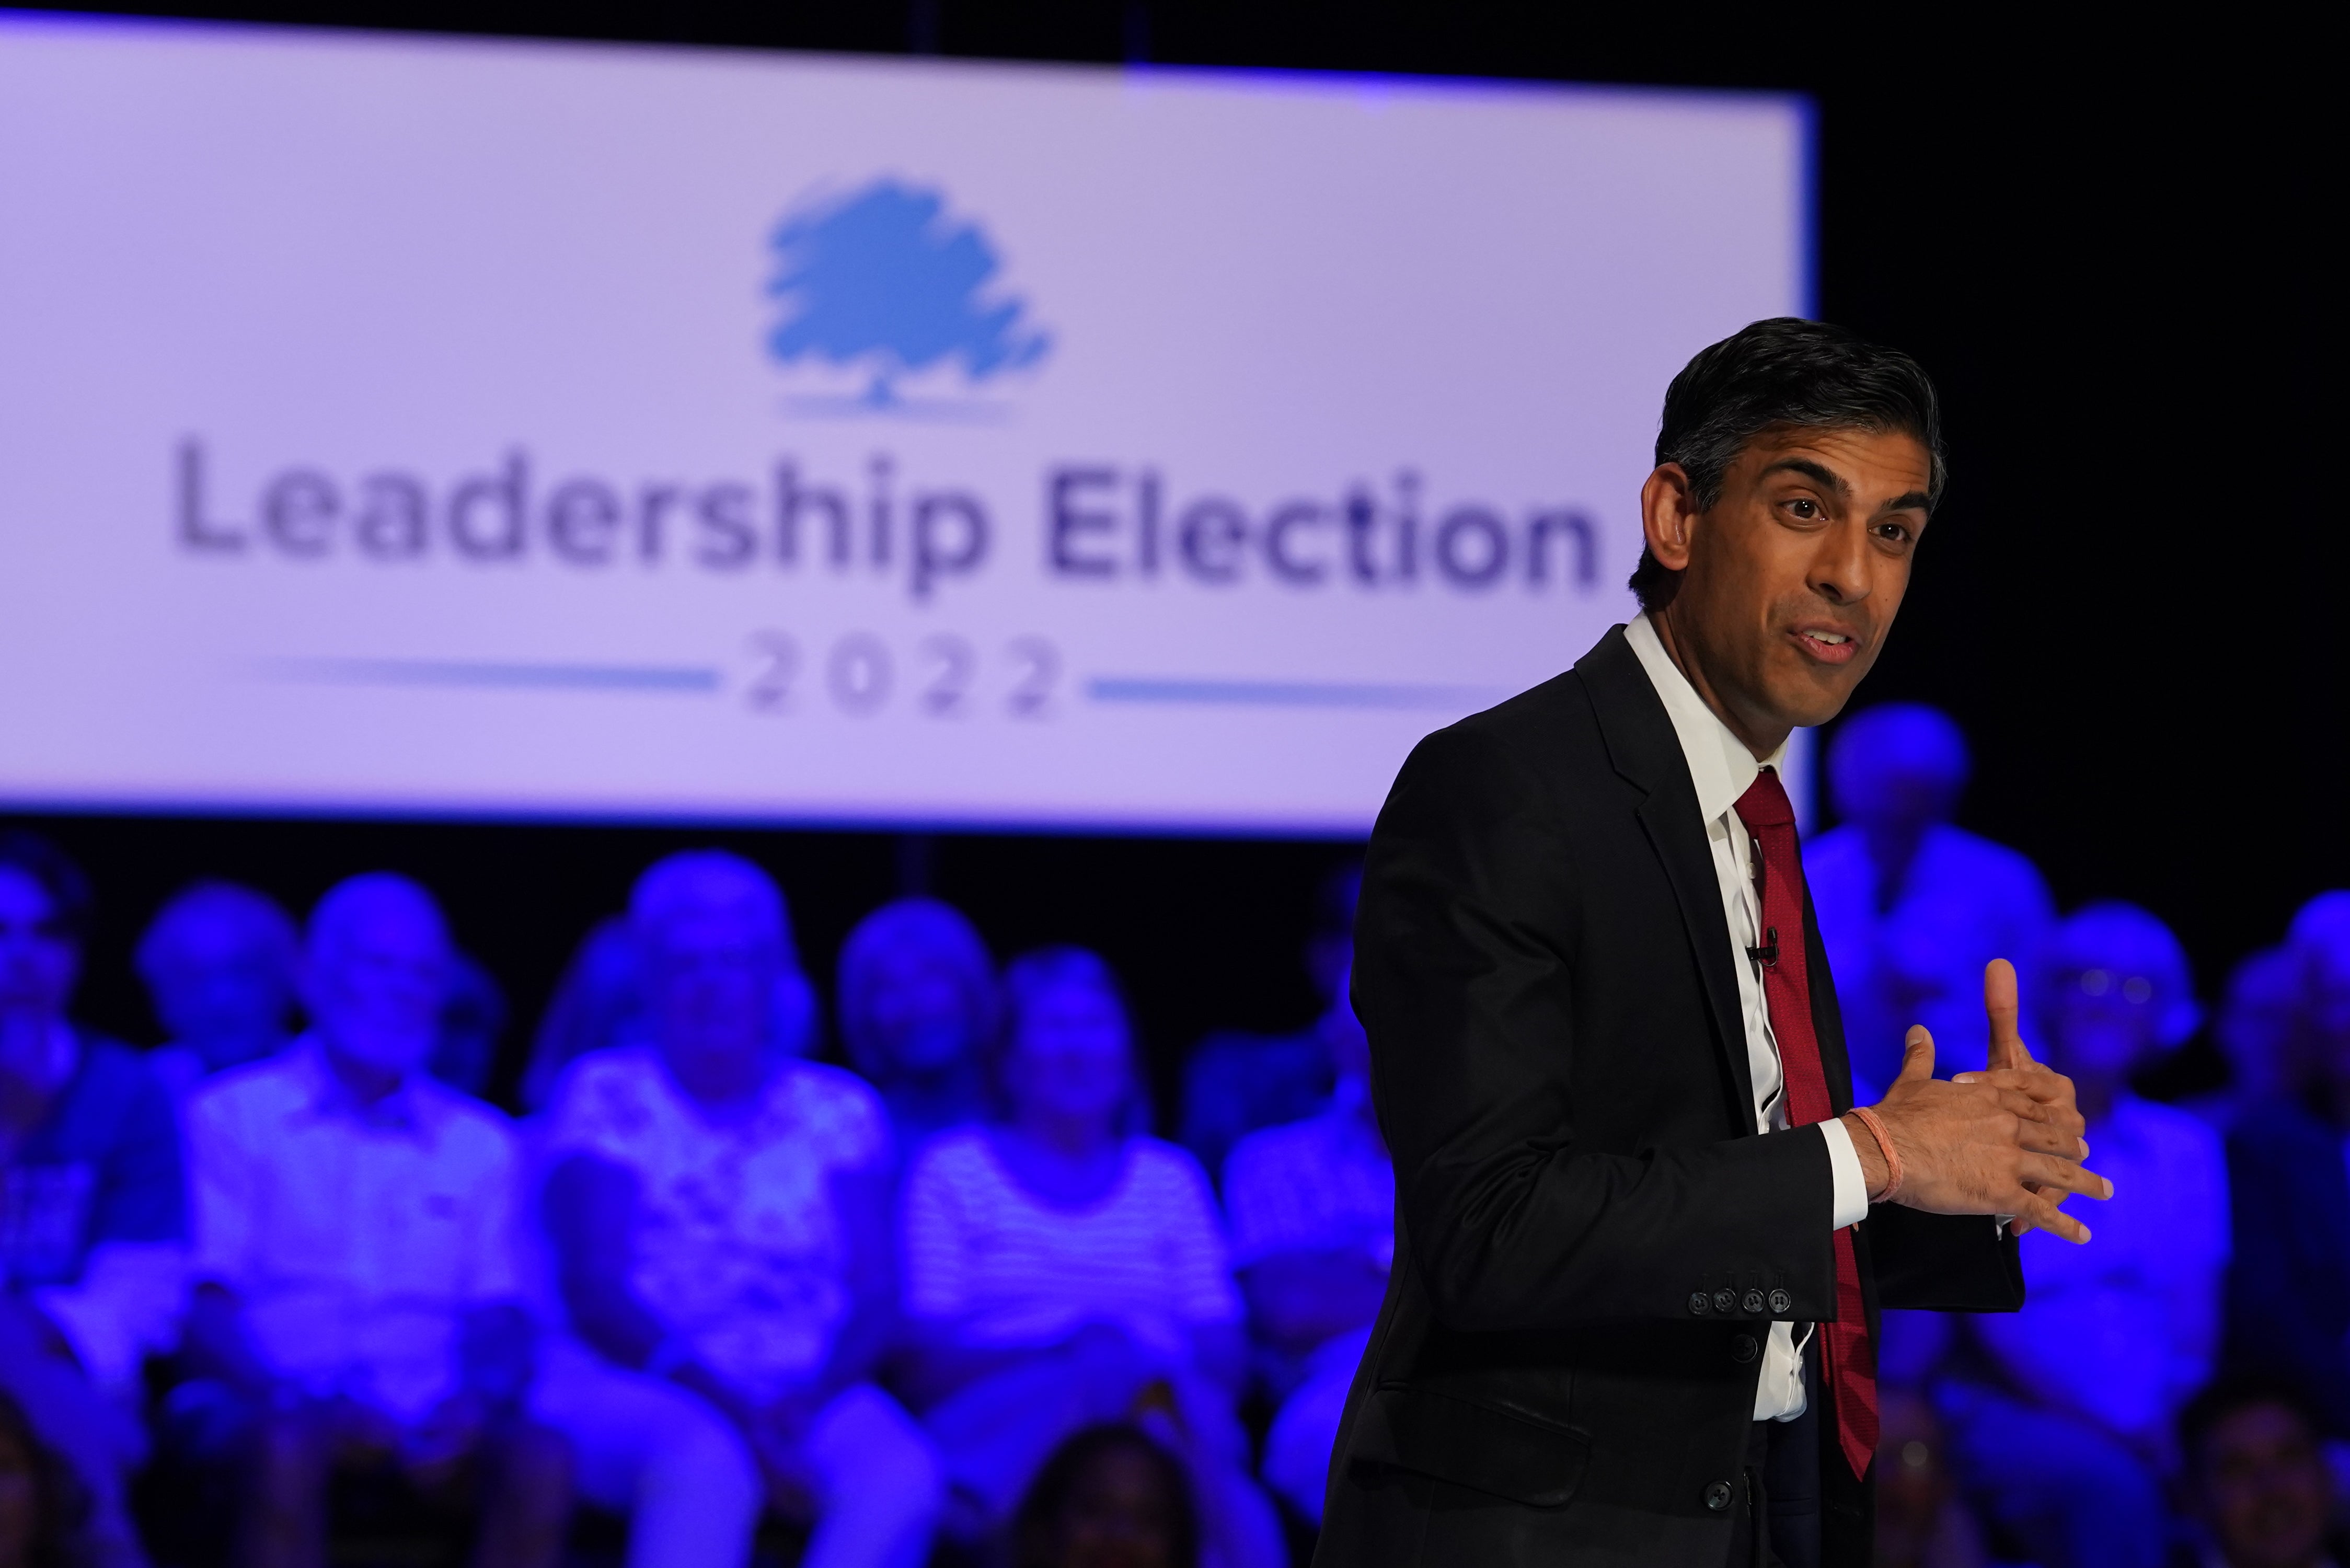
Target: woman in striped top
(1063, 1269)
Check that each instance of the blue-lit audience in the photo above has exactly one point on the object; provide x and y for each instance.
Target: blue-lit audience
(1921, 1521)
(93, 1217)
(719, 1213)
(955, 1293)
(1235, 1082)
(599, 1003)
(2289, 1293)
(1063, 1269)
(1910, 905)
(2257, 1030)
(219, 962)
(1110, 1497)
(919, 1013)
(1311, 1211)
(45, 1510)
(2066, 1443)
(356, 1305)
(2257, 1482)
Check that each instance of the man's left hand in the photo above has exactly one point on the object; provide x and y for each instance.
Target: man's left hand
(2012, 1067)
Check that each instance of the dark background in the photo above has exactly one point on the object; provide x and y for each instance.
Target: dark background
(2105, 246)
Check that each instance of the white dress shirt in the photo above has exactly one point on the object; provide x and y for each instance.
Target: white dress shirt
(357, 1235)
(1722, 769)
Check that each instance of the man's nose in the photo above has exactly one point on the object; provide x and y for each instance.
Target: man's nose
(1841, 572)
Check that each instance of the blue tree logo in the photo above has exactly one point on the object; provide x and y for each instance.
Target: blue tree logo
(884, 282)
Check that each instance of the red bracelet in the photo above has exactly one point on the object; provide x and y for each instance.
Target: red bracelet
(1876, 1127)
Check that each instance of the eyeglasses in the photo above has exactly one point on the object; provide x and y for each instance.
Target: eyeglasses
(2136, 989)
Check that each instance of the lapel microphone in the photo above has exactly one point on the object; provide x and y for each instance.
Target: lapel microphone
(1767, 955)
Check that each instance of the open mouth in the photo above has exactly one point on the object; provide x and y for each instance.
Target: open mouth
(1828, 647)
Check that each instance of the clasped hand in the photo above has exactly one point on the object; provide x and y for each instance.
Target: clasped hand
(2005, 1140)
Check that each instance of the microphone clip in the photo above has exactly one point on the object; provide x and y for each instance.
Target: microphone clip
(1767, 955)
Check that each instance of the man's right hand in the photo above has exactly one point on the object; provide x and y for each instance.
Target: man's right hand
(1978, 1148)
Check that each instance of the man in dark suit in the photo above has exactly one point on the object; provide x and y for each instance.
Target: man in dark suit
(1642, 1235)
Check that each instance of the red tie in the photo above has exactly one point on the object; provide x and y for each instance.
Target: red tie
(1849, 1365)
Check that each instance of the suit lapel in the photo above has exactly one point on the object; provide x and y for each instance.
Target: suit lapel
(1645, 750)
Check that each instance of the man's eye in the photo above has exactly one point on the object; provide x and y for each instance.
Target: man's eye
(1805, 509)
(1893, 533)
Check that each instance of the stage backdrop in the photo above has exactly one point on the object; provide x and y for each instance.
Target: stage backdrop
(396, 423)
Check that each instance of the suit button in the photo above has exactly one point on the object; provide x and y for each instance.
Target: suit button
(1744, 1348)
(1699, 1304)
(1717, 1496)
(1752, 1304)
(1724, 1299)
(1782, 1303)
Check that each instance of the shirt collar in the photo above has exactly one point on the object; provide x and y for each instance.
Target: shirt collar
(406, 1110)
(1719, 765)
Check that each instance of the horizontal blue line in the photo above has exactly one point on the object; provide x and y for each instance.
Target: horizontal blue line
(1283, 693)
(497, 674)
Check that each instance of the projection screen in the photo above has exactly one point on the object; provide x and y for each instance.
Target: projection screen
(418, 425)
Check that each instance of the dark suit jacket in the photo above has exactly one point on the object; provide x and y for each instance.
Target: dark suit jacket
(1591, 1241)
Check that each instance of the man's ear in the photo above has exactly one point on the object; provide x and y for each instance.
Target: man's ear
(1669, 515)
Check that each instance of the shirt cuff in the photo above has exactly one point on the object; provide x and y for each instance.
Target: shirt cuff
(1843, 1163)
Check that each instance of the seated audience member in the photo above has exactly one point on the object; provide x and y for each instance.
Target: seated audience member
(2256, 1029)
(92, 1210)
(598, 1003)
(1910, 906)
(1920, 1523)
(219, 963)
(1109, 1497)
(356, 1308)
(917, 1012)
(2257, 1480)
(1234, 1083)
(2289, 1289)
(2067, 1456)
(1063, 1269)
(44, 1508)
(1313, 1220)
(719, 1212)
(473, 1017)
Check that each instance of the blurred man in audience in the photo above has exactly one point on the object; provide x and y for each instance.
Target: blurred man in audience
(2257, 1030)
(919, 1012)
(2289, 1292)
(92, 1212)
(1911, 907)
(1065, 1267)
(2257, 1480)
(219, 962)
(1313, 1219)
(357, 1295)
(2068, 1455)
(1235, 1083)
(473, 1019)
(719, 1211)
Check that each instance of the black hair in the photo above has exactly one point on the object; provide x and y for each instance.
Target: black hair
(2232, 1395)
(1040, 1524)
(70, 901)
(1784, 371)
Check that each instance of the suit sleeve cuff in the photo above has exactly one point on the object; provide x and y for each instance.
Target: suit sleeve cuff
(1843, 1164)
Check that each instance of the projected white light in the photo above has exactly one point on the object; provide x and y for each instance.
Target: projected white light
(415, 425)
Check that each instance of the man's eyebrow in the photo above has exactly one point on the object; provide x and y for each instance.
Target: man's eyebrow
(1818, 472)
(1915, 501)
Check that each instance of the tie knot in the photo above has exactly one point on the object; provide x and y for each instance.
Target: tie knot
(1765, 803)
